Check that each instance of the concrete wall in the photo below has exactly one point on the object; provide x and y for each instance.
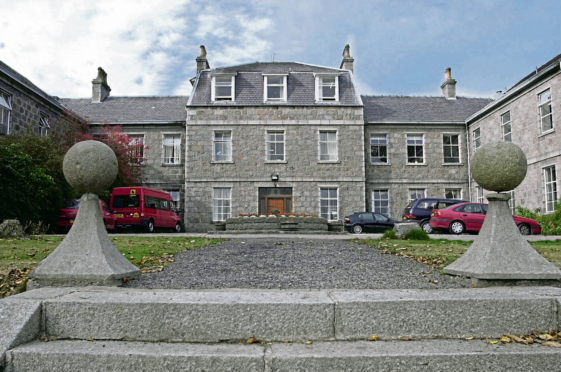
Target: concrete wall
(398, 176)
(250, 170)
(541, 149)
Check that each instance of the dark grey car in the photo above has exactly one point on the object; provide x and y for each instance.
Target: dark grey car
(368, 222)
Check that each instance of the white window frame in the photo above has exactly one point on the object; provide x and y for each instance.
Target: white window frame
(319, 84)
(5, 110)
(506, 125)
(377, 202)
(221, 203)
(379, 145)
(232, 95)
(541, 106)
(136, 139)
(411, 190)
(451, 146)
(283, 85)
(228, 143)
(453, 190)
(176, 159)
(267, 142)
(415, 137)
(550, 196)
(330, 213)
(479, 195)
(512, 200)
(331, 157)
(476, 139)
(44, 125)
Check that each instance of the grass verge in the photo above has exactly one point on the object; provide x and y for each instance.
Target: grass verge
(150, 254)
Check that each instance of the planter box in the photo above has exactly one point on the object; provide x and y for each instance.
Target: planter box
(276, 224)
(289, 226)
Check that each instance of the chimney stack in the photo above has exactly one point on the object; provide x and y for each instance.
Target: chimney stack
(347, 63)
(449, 85)
(202, 62)
(100, 89)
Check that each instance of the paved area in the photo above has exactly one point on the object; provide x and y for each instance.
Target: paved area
(292, 263)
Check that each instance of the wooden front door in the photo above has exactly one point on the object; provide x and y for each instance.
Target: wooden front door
(271, 198)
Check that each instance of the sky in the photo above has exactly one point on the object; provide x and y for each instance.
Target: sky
(400, 47)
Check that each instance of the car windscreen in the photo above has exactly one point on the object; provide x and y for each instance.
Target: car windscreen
(72, 204)
(126, 201)
(411, 203)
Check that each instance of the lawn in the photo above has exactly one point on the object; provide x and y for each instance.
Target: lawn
(150, 254)
(441, 252)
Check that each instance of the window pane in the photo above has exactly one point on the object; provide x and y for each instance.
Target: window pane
(277, 80)
(223, 91)
(545, 96)
(328, 92)
(506, 117)
(274, 92)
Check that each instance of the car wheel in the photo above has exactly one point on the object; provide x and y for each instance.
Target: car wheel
(425, 225)
(150, 226)
(524, 229)
(177, 228)
(357, 229)
(457, 227)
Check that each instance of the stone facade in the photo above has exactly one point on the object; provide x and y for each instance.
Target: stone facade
(398, 177)
(541, 148)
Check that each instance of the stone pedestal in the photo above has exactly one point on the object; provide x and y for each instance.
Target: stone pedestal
(86, 256)
(500, 255)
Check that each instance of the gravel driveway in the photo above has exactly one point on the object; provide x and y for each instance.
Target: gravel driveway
(292, 263)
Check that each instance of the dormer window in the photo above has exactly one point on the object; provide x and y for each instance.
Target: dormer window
(327, 87)
(275, 88)
(223, 87)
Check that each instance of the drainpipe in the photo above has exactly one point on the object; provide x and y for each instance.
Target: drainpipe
(469, 168)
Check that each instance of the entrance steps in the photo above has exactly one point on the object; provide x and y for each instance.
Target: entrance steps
(117, 329)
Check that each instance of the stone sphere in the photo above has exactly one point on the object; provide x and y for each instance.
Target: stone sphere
(90, 166)
(499, 166)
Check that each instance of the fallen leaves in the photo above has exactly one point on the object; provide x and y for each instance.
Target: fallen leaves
(14, 282)
(373, 338)
(154, 264)
(551, 338)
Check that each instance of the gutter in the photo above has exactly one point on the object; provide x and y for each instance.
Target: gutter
(417, 122)
(137, 122)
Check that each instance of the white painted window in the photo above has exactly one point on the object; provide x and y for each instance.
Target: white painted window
(176, 197)
(381, 202)
(329, 203)
(5, 111)
(477, 138)
(506, 126)
(453, 193)
(451, 148)
(222, 146)
(275, 88)
(172, 148)
(223, 87)
(379, 148)
(479, 197)
(44, 125)
(550, 180)
(415, 194)
(415, 149)
(512, 200)
(328, 146)
(327, 87)
(221, 204)
(136, 148)
(275, 146)
(546, 116)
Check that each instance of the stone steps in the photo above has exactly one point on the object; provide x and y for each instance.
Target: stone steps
(187, 328)
(428, 355)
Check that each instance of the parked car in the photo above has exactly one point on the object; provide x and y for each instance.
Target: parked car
(141, 206)
(67, 215)
(420, 210)
(469, 217)
(368, 222)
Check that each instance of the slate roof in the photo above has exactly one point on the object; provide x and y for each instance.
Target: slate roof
(397, 109)
(16, 76)
(300, 85)
(130, 109)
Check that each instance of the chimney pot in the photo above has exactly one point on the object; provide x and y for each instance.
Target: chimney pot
(100, 89)
(348, 61)
(449, 85)
(202, 62)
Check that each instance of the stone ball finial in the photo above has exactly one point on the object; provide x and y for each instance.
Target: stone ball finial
(499, 166)
(90, 166)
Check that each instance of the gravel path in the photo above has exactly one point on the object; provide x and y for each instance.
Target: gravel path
(288, 263)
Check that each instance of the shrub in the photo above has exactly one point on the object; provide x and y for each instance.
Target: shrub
(416, 234)
(389, 234)
(12, 229)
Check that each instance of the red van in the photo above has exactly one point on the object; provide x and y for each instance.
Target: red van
(67, 215)
(141, 206)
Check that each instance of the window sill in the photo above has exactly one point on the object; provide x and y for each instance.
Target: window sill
(329, 162)
(222, 162)
(414, 164)
(382, 164)
(274, 102)
(452, 164)
(276, 161)
(546, 133)
(172, 165)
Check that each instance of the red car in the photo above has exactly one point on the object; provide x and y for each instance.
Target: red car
(67, 215)
(469, 217)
